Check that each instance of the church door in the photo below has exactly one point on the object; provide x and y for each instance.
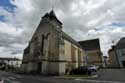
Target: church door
(39, 67)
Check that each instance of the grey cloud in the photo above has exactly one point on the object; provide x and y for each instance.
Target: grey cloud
(75, 26)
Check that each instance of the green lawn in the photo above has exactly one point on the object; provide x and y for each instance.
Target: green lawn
(77, 76)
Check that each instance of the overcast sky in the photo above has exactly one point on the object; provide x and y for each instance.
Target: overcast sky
(82, 20)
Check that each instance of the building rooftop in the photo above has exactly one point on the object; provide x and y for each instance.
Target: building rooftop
(52, 15)
(90, 44)
(70, 39)
(121, 43)
(9, 59)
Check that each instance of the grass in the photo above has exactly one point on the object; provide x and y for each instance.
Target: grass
(77, 76)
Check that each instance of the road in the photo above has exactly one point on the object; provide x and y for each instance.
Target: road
(16, 78)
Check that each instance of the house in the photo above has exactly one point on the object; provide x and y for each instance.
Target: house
(113, 59)
(50, 50)
(6, 63)
(118, 51)
(93, 52)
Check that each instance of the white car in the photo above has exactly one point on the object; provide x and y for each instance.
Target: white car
(93, 68)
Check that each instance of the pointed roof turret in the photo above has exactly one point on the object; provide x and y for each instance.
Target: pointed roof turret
(53, 16)
(52, 13)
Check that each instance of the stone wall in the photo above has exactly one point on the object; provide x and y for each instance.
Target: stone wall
(74, 55)
(94, 58)
(113, 61)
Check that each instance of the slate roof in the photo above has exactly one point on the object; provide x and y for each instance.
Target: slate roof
(70, 39)
(52, 15)
(120, 44)
(90, 44)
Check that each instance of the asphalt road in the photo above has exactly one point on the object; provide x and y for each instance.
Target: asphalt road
(16, 78)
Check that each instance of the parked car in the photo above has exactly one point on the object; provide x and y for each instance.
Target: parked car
(93, 68)
(84, 70)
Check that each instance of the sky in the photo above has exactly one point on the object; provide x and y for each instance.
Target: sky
(82, 20)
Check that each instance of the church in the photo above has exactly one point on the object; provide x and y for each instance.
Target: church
(51, 51)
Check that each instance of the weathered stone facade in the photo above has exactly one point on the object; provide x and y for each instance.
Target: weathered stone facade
(51, 51)
(94, 58)
(93, 52)
(113, 60)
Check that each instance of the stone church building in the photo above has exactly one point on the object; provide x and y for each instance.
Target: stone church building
(50, 50)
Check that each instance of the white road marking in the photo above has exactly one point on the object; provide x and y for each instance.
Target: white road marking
(13, 78)
(98, 81)
(94, 76)
(17, 82)
(12, 81)
(8, 80)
